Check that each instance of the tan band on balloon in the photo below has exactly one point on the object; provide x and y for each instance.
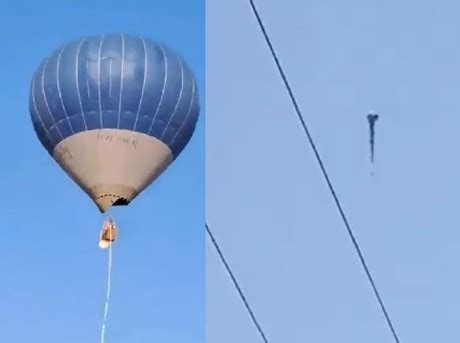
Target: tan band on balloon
(112, 166)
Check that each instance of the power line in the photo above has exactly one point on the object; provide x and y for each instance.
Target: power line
(237, 286)
(323, 169)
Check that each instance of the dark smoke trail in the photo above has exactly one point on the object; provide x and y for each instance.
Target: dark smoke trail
(372, 118)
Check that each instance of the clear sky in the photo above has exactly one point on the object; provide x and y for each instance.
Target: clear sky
(53, 275)
(268, 203)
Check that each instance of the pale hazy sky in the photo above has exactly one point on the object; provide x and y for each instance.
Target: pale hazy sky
(268, 203)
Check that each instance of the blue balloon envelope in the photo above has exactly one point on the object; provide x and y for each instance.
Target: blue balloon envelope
(114, 111)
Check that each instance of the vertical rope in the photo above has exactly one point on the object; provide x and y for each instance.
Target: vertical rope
(107, 296)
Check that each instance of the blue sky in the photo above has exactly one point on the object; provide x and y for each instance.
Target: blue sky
(53, 274)
(266, 199)
(268, 203)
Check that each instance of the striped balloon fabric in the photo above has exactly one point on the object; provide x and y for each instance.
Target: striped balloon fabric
(114, 111)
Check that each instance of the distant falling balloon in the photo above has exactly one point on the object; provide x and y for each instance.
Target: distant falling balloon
(114, 111)
(372, 118)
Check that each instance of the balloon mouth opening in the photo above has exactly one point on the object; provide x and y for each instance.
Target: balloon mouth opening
(104, 202)
(118, 202)
(121, 202)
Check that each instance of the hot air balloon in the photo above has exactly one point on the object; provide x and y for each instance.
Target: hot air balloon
(114, 111)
